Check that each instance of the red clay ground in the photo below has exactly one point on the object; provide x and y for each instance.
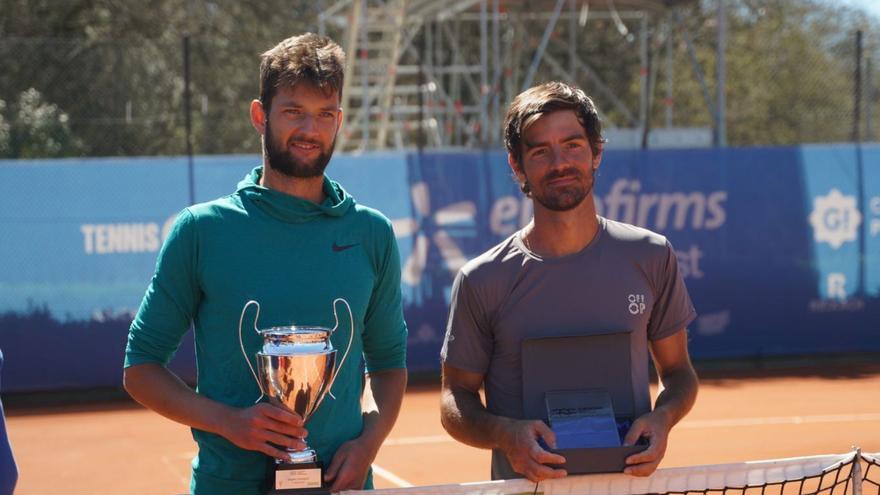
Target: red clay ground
(122, 448)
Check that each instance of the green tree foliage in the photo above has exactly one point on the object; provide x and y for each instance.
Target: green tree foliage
(790, 70)
(4, 132)
(115, 67)
(39, 129)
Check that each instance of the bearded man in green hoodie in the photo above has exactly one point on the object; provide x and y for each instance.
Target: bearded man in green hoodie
(294, 240)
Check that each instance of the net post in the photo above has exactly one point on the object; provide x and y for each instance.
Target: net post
(856, 472)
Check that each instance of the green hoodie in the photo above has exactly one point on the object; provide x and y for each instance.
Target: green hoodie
(294, 257)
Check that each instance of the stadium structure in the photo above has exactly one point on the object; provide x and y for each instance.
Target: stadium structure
(438, 74)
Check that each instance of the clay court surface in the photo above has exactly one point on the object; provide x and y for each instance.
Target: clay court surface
(118, 447)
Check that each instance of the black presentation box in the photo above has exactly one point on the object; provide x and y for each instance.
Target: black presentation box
(578, 363)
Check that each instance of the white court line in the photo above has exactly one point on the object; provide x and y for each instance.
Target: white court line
(692, 424)
(419, 440)
(780, 420)
(389, 476)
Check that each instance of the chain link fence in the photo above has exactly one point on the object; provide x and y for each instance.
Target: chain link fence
(126, 98)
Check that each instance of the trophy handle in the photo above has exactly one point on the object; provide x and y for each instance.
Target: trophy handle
(344, 356)
(241, 343)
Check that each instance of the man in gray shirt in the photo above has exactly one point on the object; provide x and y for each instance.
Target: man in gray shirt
(568, 272)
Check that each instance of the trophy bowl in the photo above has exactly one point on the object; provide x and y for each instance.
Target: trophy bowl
(295, 366)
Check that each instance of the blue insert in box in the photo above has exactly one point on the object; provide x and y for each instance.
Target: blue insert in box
(582, 419)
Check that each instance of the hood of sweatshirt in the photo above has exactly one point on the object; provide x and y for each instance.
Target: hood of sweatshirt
(289, 208)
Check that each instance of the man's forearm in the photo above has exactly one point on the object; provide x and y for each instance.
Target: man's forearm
(467, 420)
(678, 395)
(157, 388)
(381, 404)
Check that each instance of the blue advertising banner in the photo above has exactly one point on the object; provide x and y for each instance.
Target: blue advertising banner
(867, 160)
(779, 247)
(80, 238)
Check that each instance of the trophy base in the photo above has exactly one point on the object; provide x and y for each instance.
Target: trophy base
(299, 479)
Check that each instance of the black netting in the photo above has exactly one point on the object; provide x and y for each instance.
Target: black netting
(870, 474)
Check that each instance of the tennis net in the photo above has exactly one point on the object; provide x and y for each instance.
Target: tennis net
(871, 476)
(852, 473)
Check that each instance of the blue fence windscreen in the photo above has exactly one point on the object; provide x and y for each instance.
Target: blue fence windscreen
(779, 247)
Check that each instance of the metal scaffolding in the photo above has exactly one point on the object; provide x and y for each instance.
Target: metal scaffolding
(429, 74)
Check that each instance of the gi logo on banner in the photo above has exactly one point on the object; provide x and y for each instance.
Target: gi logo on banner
(835, 218)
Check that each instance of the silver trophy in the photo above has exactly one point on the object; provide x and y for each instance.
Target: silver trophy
(296, 368)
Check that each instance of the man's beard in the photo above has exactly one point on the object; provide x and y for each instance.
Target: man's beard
(562, 199)
(280, 159)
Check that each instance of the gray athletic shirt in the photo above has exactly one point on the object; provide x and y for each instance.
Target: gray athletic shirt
(509, 294)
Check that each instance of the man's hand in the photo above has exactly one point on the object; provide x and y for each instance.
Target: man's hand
(679, 391)
(349, 467)
(655, 427)
(464, 416)
(264, 428)
(380, 403)
(519, 441)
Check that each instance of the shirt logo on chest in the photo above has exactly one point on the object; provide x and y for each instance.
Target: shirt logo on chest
(636, 303)
(337, 248)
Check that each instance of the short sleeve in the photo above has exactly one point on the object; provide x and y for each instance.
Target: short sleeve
(468, 344)
(673, 309)
(172, 297)
(384, 327)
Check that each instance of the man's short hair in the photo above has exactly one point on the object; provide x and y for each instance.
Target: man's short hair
(536, 101)
(310, 58)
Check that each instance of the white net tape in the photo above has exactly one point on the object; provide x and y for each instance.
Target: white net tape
(675, 480)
